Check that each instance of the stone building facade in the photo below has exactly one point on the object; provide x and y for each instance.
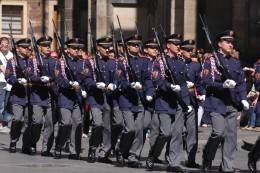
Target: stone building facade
(174, 15)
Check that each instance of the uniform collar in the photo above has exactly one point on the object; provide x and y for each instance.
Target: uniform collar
(133, 56)
(22, 57)
(44, 56)
(72, 59)
(224, 55)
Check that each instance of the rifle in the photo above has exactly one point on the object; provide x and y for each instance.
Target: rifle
(218, 61)
(19, 70)
(164, 34)
(68, 70)
(99, 77)
(167, 68)
(132, 75)
(141, 44)
(66, 32)
(43, 71)
(114, 42)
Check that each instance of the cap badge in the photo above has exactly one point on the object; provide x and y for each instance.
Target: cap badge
(231, 33)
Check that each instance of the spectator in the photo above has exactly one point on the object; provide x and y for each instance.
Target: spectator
(54, 55)
(5, 88)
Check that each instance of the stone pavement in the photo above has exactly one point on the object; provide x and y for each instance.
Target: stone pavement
(21, 163)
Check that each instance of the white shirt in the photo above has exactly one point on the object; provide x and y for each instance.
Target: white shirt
(4, 59)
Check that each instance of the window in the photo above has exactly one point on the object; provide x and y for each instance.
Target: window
(13, 15)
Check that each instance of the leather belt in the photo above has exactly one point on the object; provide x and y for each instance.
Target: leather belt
(191, 89)
(44, 84)
(75, 88)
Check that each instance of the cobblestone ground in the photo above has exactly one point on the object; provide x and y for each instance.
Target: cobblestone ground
(21, 163)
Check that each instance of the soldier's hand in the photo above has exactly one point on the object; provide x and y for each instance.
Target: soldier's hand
(175, 88)
(112, 86)
(189, 84)
(22, 81)
(101, 85)
(149, 98)
(202, 98)
(138, 85)
(245, 104)
(189, 109)
(133, 85)
(83, 93)
(74, 83)
(45, 79)
(229, 84)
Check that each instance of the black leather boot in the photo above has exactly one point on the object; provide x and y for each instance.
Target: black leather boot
(12, 147)
(92, 155)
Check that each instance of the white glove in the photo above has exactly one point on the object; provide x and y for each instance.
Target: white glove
(101, 85)
(8, 87)
(74, 83)
(189, 84)
(175, 88)
(138, 85)
(112, 86)
(202, 98)
(189, 109)
(229, 84)
(149, 98)
(84, 93)
(45, 79)
(22, 81)
(133, 85)
(245, 104)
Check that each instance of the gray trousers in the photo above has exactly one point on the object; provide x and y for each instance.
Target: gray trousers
(73, 118)
(117, 125)
(172, 126)
(18, 112)
(151, 121)
(225, 126)
(117, 116)
(192, 135)
(101, 118)
(134, 123)
(40, 113)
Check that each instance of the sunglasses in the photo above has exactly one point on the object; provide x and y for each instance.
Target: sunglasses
(24, 47)
(75, 48)
(45, 45)
(134, 45)
(4, 45)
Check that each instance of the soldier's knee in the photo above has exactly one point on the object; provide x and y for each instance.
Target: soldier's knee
(166, 134)
(217, 135)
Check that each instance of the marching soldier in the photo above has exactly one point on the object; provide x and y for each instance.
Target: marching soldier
(100, 84)
(192, 75)
(17, 75)
(151, 120)
(170, 101)
(42, 97)
(135, 85)
(224, 97)
(69, 99)
(117, 117)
